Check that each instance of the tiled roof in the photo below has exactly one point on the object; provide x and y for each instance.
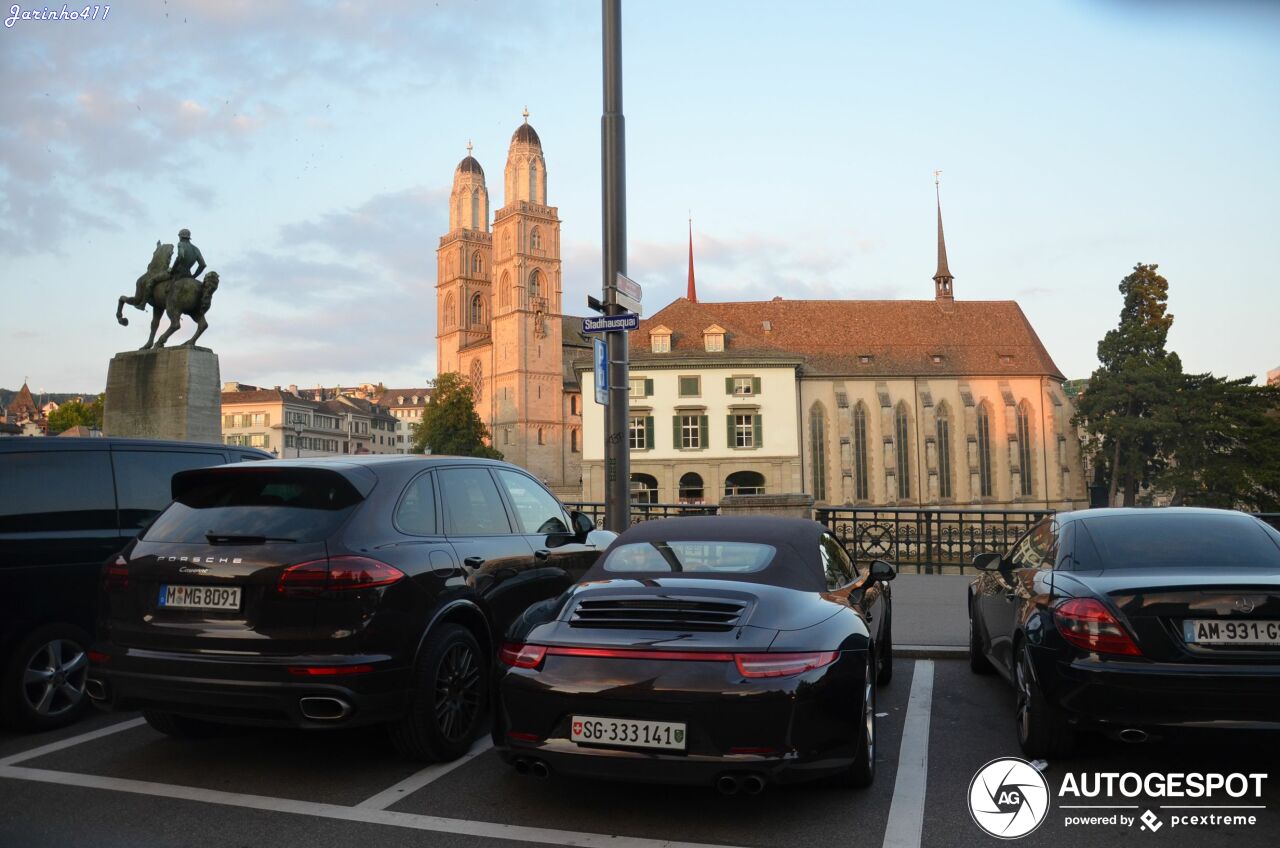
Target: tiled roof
(390, 398)
(835, 337)
(266, 396)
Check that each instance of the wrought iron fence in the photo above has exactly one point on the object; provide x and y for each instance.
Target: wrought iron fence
(928, 541)
(644, 511)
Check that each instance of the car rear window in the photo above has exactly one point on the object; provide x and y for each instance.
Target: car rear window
(690, 557)
(293, 505)
(1174, 540)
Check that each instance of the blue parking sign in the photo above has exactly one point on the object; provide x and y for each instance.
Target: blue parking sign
(602, 370)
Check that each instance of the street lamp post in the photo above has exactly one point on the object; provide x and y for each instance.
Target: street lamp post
(297, 438)
(617, 459)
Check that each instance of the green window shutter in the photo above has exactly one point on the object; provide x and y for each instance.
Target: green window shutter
(648, 432)
(755, 385)
(728, 385)
(675, 432)
(704, 424)
(729, 426)
(648, 387)
(756, 423)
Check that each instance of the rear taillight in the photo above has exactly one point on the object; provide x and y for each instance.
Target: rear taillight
(328, 670)
(115, 576)
(782, 665)
(336, 573)
(1088, 624)
(521, 656)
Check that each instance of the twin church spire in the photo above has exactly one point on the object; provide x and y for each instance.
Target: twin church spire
(524, 179)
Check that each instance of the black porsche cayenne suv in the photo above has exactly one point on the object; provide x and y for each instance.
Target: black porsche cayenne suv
(332, 593)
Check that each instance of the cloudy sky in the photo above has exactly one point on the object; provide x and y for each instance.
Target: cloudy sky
(310, 146)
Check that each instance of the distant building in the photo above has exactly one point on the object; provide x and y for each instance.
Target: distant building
(289, 424)
(24, 414)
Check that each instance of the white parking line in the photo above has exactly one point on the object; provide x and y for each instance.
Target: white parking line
(22, 756)
(906, 812)
(416, 781)
(436, 824)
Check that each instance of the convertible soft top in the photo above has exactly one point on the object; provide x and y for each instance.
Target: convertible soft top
(796, 565)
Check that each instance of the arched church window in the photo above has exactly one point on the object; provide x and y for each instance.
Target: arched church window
(477, 310)
(1024, 449)
(818, 449)
(861, 474)
(535, 284)
(457, 221)
(477, 263)
(504, 290)
(506, 243)
(533, 181)
(535, 239)
(943, 425)
(450, 311)
(902, 438)
(475, 209)
(984, 449)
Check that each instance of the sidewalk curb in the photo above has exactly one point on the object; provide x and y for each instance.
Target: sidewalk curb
(931, 652)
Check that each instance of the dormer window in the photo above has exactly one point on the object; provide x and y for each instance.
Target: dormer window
(660, 340)
(713, 338)
(936, 358)
(865, 358)
(1006, 359)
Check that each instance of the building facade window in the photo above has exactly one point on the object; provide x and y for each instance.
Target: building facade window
(475, 210)
(742, 386)
(573, 441)
(535, 284)
(861, 473)
(943, 426)
(477, 310)
(1024, 449)
(902, 439)
(477, 263)
(644, 488)
(533, 183)
(691, 490)
(744, 483)
(640, 387)
(450, 310)
(690, 386)
(504, 292)
(744, 431)
(984, 450)
(640, 432)
(691, 431)
(818, 449)
(660, 343)
(713, 342)
(535, 239)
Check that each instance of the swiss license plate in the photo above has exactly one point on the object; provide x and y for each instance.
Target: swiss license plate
(1228, 631)
(200, 597)
(629, 733)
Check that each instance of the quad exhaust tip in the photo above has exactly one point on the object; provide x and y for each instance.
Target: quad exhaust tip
(324, 708)
(1133, 735)
(521, 765)
(727, 784)
(537, 768)
(95, 689)
(752, 784)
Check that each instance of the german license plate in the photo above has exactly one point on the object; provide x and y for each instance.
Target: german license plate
(1226, 631)
(629, 733)
(200, 597)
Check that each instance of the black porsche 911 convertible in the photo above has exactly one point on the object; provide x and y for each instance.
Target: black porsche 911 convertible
(703, 650)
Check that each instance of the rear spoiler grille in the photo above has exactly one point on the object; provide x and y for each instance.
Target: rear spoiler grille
(658, 613)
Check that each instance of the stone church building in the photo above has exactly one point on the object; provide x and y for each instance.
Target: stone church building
(499, 314)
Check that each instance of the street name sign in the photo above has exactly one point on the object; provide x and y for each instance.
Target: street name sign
(611, 323)
(601, 351)
(629, 287)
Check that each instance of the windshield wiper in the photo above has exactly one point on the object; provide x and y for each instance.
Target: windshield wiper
(233, 539)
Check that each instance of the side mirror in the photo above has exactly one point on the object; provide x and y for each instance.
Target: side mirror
(882, 570)
(988, 561)
(582, 525)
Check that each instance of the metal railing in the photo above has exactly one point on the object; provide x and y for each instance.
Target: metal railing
(644, 511)
(926, 541)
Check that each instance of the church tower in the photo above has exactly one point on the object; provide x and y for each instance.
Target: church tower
(942, 278)
(464, 263)
(525, 408)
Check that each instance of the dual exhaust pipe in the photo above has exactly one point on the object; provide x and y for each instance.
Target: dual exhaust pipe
(532, 766)
(1133, 736)
(731, 784)
(324, 708)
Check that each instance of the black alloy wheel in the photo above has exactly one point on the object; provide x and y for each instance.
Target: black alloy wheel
(447, 698)
(1043, 729)
(43, 686)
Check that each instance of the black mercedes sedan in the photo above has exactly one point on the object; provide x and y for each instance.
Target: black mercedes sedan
(1132, 622)
(727, 652)
(332, 593)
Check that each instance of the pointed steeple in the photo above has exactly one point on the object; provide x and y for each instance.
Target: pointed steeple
(692, 294)
(942, 279)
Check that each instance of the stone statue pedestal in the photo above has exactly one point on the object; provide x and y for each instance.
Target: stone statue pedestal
(171, 393)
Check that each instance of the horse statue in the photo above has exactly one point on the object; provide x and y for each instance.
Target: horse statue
(170, 296)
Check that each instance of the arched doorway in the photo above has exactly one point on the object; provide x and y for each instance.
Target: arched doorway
(644, 489)
(691, 490)
(744, 483)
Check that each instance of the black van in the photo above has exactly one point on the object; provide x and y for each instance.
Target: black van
(66, 506)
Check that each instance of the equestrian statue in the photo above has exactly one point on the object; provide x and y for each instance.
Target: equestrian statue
(174, 291)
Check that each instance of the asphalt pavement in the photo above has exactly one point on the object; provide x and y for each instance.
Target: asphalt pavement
(930, 609)
(116, 782)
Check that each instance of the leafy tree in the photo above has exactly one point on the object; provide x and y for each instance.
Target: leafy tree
(75, 413)
(1125, 407)
(1225, 447)
(450, 424)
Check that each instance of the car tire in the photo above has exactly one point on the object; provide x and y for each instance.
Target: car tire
(447, 698)
(978, 662)
(1043, 728)
(43, 682)
(180, 726)
(885, 651)
(863, 771)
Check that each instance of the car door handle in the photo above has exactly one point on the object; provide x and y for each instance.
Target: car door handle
(542, 555)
